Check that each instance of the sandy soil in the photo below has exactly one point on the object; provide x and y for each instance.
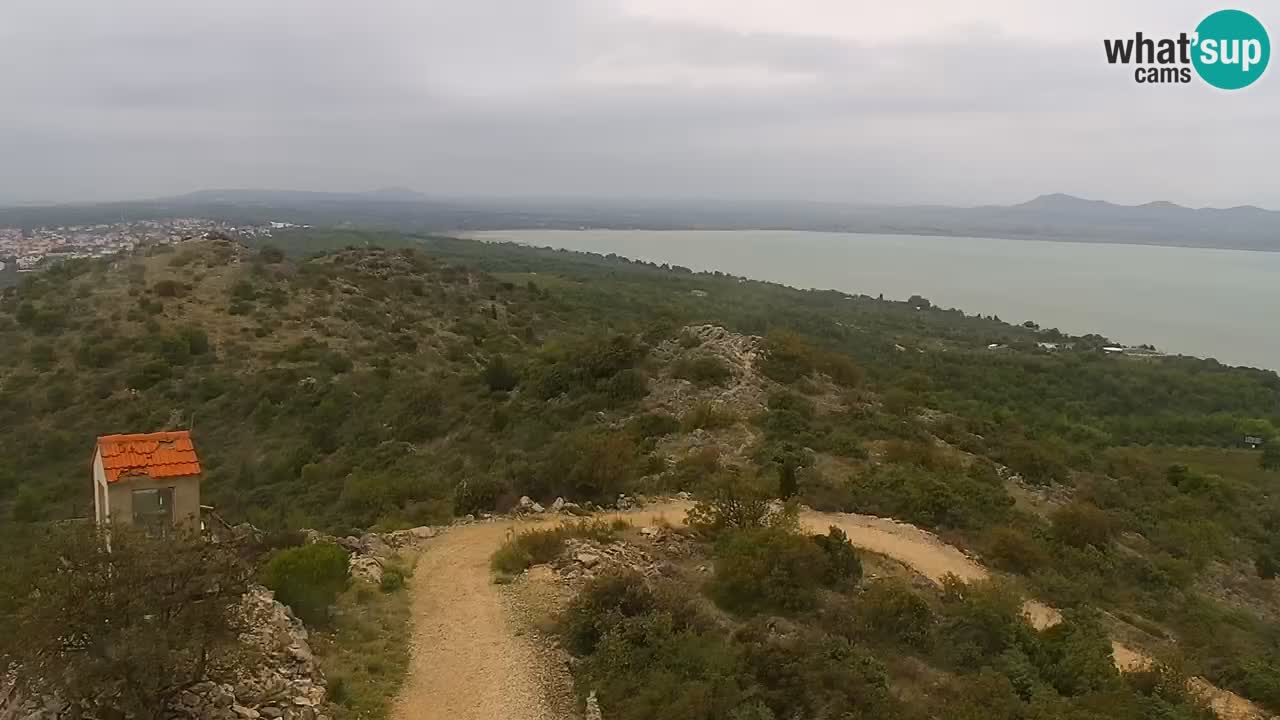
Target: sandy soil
(472, 658)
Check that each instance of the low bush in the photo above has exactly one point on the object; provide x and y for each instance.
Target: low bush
(1082, 525)
(601, 606)
(891, 611)
(1015, 550)
(525, 549)
(730, 500)
(478, 494)
(707, 416)
(767, 569)
(702, 370)
(932, 499)
(392, 580)
(651, 425)
(307, 578)
(528, 548)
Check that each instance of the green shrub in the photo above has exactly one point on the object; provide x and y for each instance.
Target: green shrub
(627, 385)
(308, 578)
(591, 465)
(1267, 560)
(170, 289)
(650, 425)
(891, 611)
(601, 606)
(1015, 550)
(499, 375)
(337, 687)
(787, 356)
(476, 495)
(392, 580)
(730, 500)
(1075, 656)
(702, 370)
(1082, 525)
(928, 498)
(707, 416)
(522, 550)
(271, 255)
(528, 548)
(1040, 461)
(980, 621)
(767, 569)
(1270, 458)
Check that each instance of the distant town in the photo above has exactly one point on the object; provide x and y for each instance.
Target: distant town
(29, 250)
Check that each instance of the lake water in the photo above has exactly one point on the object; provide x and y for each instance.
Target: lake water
(1223, 304)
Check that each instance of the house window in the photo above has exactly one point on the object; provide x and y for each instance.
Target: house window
(153, 510)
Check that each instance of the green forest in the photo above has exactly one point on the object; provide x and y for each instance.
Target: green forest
(350, 380)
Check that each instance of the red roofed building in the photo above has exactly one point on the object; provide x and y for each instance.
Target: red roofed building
(150, 480)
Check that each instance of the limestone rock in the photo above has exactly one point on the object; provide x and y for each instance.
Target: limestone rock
(363, 567)
(372, 544)
(593, 707)
(527, 505)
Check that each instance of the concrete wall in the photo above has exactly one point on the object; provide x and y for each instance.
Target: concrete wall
(186, 499)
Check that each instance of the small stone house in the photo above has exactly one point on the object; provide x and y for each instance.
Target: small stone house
(150, 480)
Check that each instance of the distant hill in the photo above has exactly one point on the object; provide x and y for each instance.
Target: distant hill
(1048, 217)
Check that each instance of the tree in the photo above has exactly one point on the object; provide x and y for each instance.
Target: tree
(499, 375)
(131, 620)
(789, 459)
(843, 567)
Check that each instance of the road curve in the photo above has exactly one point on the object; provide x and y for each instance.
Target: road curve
(470, 661)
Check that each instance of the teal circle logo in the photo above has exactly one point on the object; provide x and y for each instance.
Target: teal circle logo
(1231, 49)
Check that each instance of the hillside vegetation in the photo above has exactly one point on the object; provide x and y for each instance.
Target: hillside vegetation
(397, 380)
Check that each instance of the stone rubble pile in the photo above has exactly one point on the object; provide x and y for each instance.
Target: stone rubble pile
(286, 684)
(584, 559)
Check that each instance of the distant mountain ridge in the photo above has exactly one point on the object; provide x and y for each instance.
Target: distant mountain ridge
(1054, 216)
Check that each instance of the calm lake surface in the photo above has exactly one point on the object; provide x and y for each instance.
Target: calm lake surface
(1223, 304)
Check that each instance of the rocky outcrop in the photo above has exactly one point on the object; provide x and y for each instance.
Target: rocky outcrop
(743, 394)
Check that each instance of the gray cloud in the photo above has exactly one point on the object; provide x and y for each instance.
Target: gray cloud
(832, 101)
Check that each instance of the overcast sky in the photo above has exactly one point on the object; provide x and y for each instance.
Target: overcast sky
(858, 101)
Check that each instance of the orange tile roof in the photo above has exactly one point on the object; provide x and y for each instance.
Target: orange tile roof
(156, 455)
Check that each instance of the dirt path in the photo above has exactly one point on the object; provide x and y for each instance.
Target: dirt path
(470, 660)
